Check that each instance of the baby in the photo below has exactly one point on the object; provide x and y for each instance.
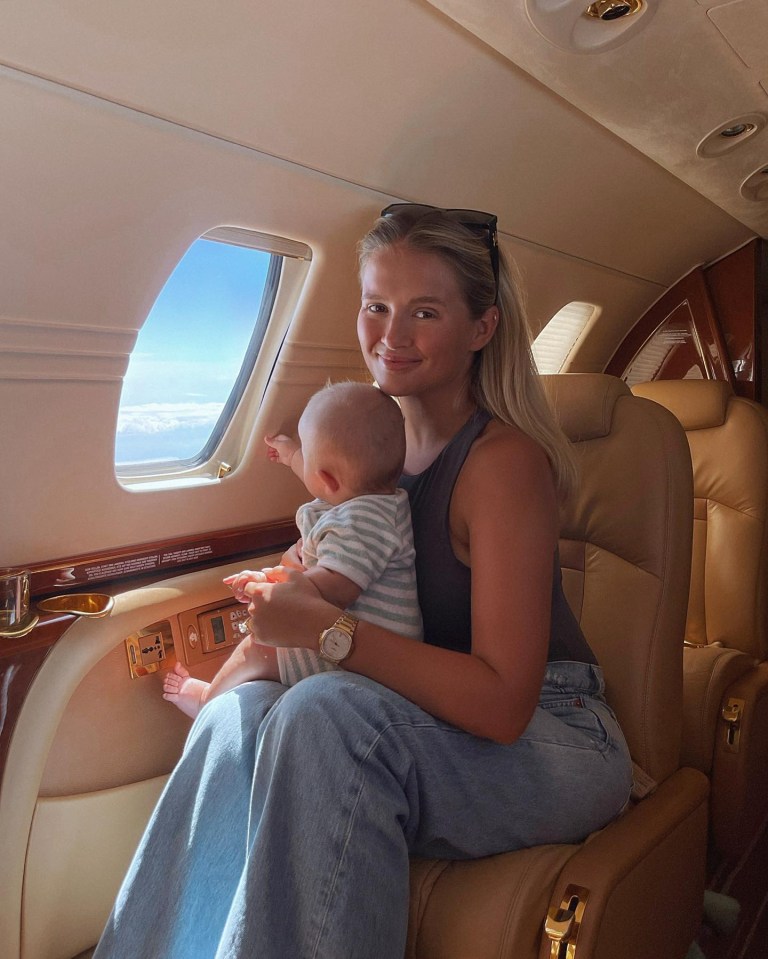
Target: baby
(356, 540)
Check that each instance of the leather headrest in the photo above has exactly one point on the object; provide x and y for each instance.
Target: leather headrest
(584, 402)
(697, 404)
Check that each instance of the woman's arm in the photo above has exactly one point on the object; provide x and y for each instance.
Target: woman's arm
(504, 521)
(253, 660)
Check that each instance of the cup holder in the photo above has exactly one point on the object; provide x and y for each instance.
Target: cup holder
(78, 604)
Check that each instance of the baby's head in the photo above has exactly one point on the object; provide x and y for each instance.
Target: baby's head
(356, 433)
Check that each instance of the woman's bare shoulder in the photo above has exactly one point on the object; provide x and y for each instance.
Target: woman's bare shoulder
(507, 449)
(509, 472)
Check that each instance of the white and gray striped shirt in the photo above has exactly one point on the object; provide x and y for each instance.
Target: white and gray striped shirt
(369, 540)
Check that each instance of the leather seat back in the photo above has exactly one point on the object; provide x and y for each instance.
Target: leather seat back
(728, 439)
(625, 544)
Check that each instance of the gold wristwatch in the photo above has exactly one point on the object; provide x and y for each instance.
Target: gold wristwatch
(337, 642)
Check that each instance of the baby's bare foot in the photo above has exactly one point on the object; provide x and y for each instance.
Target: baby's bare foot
(183, 690)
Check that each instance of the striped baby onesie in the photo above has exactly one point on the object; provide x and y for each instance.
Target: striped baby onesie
(369, 540)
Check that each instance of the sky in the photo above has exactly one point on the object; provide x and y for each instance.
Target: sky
(189, 352)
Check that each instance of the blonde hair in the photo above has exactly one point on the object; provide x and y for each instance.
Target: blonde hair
(504, 378)
(363, 429)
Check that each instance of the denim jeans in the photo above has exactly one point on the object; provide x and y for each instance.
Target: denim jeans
(285, 830)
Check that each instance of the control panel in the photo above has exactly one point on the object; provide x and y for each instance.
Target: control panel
(209, 630)
(196, 636)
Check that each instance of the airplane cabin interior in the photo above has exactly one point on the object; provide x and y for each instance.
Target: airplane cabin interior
(623, 148)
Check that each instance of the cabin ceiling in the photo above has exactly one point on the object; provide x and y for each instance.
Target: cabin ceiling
(405, 100)
(683, 70)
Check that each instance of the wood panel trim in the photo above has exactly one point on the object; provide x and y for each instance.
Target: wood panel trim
(162, 557)
(733, 287)
(693, 290)
(20, 661)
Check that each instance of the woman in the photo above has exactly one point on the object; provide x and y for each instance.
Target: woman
(285, 830)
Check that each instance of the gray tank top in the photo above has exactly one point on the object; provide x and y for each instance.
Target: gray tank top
(444, 582)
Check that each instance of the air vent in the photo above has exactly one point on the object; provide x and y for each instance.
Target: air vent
(730, 134)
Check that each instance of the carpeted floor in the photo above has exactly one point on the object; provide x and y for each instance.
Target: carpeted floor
(747, 883)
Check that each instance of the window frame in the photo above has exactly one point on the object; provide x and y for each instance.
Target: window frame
(289, 263)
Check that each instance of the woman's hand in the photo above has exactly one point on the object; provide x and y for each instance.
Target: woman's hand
(288, 610)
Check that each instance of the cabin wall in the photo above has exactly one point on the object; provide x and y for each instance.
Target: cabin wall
(128, 194)
(130, 131)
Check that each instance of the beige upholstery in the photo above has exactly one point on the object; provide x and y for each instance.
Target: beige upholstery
(727, 623)
(626, 573)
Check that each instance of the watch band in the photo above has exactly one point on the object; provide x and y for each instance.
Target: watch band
(348, 623)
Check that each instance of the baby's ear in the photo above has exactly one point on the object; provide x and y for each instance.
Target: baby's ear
(329, 480)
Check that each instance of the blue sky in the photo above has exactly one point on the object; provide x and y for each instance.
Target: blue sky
(189, 352)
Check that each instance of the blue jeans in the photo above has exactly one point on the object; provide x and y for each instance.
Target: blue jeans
(285, 830)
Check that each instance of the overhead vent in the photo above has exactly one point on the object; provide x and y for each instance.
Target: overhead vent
(730, 134)
(582, 27)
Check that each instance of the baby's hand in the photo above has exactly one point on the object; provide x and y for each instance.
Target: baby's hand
(238, 581)
(270, 574)
(281, 448)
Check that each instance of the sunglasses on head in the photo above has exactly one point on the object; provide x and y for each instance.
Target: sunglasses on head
(479, 223)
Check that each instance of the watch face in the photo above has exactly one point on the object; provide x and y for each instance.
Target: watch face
(336, 643)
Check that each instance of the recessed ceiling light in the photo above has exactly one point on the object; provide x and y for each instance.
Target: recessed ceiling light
(613, 9)
(590, 26)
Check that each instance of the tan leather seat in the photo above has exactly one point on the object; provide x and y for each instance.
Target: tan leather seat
(637, 885)
(725, 731)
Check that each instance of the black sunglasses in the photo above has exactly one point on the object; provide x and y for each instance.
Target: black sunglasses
(479, 223)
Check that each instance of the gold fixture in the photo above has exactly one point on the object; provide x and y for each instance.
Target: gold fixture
(223, 470)
(25, 625)
(614, 9)
(562, 924)
(732, 713)
(79, 604)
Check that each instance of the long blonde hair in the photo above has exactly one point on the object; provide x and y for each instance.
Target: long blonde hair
(504, 379)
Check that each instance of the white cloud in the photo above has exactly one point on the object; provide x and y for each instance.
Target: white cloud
(167, 417)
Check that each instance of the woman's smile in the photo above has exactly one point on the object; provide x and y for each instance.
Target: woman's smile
(395, 361)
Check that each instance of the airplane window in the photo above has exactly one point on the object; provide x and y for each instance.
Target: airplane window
(196, 351)
(553, 345)
(673, 352)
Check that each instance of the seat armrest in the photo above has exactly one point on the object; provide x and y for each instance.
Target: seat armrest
(708, 671)
(644, 874)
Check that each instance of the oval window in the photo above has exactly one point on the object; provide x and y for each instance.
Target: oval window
(194, 354)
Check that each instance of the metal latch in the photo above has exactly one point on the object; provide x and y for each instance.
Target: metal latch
(563, 923)
(732, 714)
